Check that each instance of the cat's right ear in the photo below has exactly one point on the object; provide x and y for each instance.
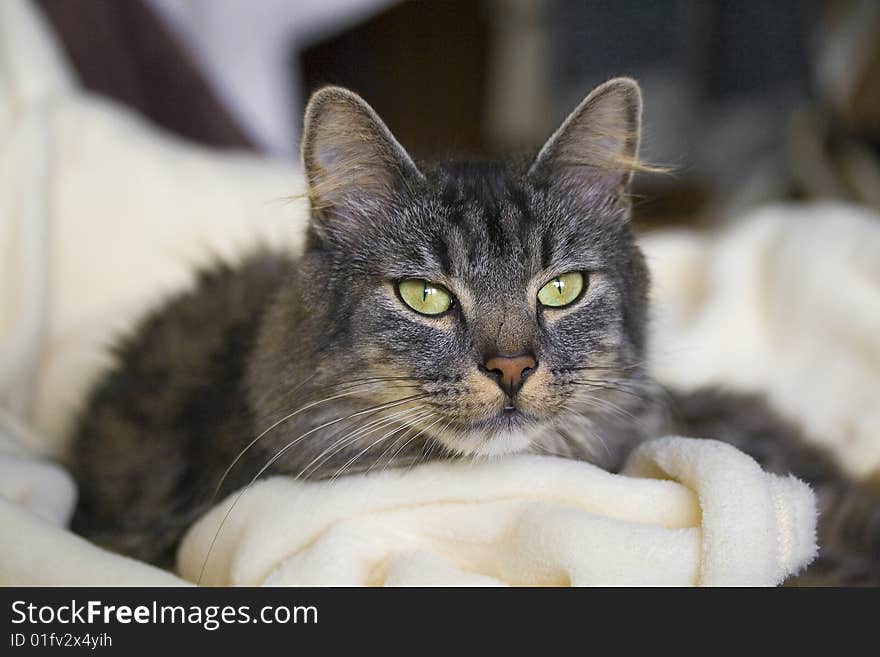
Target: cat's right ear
(353, 164)
(597, 146)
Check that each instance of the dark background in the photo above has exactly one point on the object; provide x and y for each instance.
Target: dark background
(748, 101)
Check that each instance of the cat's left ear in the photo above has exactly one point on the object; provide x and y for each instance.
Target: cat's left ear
(351, 160)
(598, 144)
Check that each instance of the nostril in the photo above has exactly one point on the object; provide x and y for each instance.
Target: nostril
(510, 372)
(527, 366)
(494, 373)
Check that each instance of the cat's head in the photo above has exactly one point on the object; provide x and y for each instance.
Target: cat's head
(508, 295)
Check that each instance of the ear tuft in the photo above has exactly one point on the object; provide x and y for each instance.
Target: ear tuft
(349, 155)
(599, 141)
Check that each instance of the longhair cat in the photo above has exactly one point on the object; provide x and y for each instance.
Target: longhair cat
(446, 310)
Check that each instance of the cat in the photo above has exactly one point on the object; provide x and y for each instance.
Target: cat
(445, 310)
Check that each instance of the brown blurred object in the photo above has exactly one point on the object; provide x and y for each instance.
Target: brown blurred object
(834, 143)
(824, 163)
(661, 200)
(422, 66)
(848, 64)
(120, 49)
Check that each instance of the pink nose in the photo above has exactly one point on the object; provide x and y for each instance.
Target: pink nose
(510, 372)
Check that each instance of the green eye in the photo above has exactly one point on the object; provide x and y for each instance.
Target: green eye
(562, 290)
(424, 297)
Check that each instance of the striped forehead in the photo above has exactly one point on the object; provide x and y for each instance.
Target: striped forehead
(489, 226)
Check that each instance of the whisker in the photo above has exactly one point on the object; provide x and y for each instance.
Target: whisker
(389, 461)
(545, 450)
(338, 385)
(433, 446)
(410, 424)
(281, 453)
(408, 442)
(350, 437)
(605, 405)
(276, 424)
(393, 445)
(606, 385)
(601, 440)
(611, 368)
(421, 432)
(589, 429)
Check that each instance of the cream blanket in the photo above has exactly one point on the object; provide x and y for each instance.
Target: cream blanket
(685, 512)
(525, 521)
(785, 301)
(82, 257)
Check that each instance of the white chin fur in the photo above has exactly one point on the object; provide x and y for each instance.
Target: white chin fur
(477, 443)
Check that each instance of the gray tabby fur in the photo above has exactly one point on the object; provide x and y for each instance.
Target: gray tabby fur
(315, 368)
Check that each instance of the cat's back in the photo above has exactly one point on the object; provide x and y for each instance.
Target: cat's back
(173, 403)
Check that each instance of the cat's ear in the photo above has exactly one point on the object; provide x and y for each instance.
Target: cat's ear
(599, 141)
(351, 160)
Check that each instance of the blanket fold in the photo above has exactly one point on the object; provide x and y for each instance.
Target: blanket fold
(526, 520)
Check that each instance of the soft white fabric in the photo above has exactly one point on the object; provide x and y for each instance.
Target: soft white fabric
(101, 215)
(785, 301)
(527, 520)
(34, 552)
(39, 486)
(524, 520)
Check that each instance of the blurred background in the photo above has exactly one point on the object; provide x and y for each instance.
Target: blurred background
(748, 100)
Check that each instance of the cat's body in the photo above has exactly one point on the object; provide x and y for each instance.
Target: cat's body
(325, 365)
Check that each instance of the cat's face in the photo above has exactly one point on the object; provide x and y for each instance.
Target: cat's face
(504, 297)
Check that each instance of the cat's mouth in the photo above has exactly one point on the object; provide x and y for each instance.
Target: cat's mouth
(508, 417)
(507, 431)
